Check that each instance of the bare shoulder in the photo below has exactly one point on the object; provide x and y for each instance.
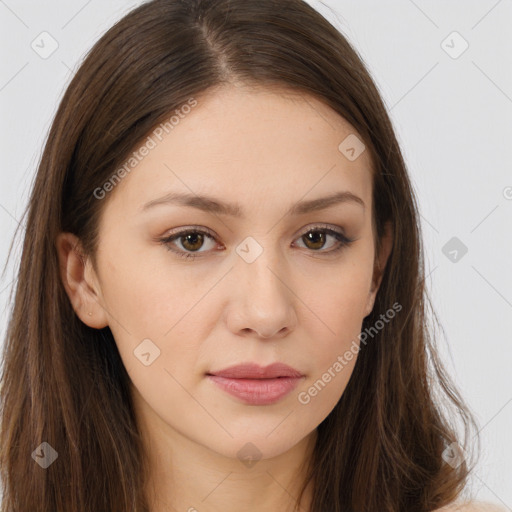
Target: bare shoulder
(473, 506)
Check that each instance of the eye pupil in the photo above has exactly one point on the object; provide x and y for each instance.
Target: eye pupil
(194, 237)
(317, 237)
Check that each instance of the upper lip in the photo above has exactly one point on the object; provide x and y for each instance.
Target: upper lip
(254, 371)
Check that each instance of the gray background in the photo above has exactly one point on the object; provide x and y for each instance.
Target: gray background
(453, 117)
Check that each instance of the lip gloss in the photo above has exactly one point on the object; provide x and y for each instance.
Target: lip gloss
(257, 391)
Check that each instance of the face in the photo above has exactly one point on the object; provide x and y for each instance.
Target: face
(191, 290)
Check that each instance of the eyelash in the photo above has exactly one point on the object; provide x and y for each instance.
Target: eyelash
(342, 239)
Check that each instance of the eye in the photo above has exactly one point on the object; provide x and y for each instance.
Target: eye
(192, 239)
(315, 239)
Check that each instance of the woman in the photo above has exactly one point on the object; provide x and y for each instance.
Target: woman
(221, 301)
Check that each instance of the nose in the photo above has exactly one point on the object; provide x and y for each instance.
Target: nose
(262, 301)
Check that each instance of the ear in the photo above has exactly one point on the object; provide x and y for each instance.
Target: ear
(80, 281)
(379, 266)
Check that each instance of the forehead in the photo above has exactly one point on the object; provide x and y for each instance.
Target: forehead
(247, 144)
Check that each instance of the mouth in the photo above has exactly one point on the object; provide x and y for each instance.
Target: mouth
(256, 385)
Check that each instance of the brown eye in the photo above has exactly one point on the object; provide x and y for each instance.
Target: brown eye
(314, 240)
(193, 241)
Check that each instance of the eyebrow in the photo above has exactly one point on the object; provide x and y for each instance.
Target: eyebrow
(213, 205)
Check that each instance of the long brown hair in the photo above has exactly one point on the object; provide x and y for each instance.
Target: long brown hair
(381, 448)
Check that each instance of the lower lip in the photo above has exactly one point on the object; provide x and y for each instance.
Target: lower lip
(257, 391)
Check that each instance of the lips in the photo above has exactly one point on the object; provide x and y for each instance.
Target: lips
(254, 371)
(256, 385)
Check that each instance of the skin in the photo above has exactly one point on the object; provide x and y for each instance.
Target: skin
(296, 303)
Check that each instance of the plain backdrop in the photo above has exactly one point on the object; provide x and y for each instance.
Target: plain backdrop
(444, 70)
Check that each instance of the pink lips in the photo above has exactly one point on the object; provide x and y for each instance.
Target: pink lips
(256, 385)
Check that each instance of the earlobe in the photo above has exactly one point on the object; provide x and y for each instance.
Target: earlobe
(79, 281)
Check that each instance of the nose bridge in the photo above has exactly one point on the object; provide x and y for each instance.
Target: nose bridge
(264, 302)
(258, 264)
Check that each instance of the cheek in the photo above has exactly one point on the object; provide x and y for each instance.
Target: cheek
(340, 301)
(331, 365)
(146, 297)
(335, 331)
(157, 315)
